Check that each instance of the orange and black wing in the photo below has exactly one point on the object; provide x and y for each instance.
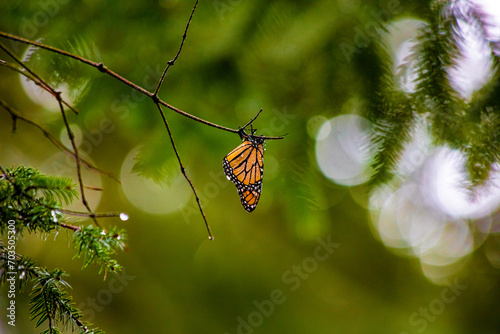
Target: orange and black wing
(244, 166)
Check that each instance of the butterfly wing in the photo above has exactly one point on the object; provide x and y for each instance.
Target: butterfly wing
(244, 166)
(250, 197)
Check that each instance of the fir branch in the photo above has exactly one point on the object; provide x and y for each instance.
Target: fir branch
(483, 149)
(473, 15)
(390, 136)
(392, 116)
(473, 128)
(24, 268)
(98, 245)
(49, 300)
(31, 199)
(34, 200)
(437, 50)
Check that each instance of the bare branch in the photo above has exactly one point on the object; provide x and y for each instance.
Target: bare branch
(104, 69)
(183, 170)
(15, 114)
(153, 96)
(36, 81)
(71, 137)
(172, 62)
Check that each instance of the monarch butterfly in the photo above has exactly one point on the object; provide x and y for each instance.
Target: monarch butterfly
(244, 166)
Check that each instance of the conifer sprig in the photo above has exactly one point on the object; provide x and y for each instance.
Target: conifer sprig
(31, 199)
(49, 300)
(392, 115)
(32, 202)
(98, 246)
(470, 125)
(50, 303)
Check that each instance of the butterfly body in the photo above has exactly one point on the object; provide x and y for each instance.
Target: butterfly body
(244, 166)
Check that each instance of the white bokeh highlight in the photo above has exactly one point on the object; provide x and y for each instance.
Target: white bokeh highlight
(152, 197)
(342, 150)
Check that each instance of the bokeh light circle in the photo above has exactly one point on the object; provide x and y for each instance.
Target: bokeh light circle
(444, 182)
(150, 196)
(431, 215)
(72, 87)
(342, 149)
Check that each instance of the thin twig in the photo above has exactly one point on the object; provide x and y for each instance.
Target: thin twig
(153, 96)
(210, 236)
(56, 142)
(71, 137)
(253, 119)
(70, 227)
(93, 188)
(172, 62)
(104, 69)
(157, 102)
(33, 74)
(39, 84)
(86, 214)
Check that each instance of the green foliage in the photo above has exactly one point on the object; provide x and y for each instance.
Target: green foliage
(280, 54)
(483, 146)
(392, 131)
(469, 125)
(155, 160)
(437, 49)
(393, 117)
(65, 73)
(23, 267)
(50, 302)
(33, 201)
(98, 245)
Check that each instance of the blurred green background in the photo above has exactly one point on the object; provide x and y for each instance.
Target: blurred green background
(264, 273)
